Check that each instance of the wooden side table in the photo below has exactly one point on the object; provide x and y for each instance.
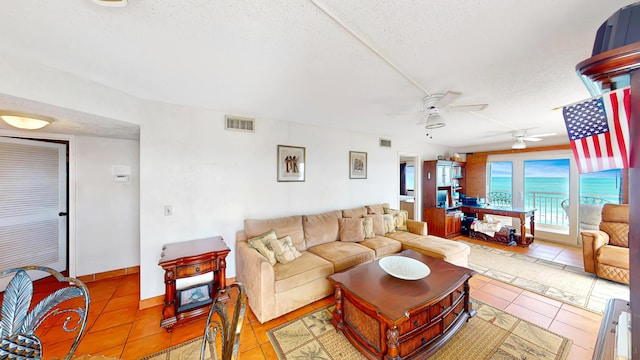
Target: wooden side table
(202, 258)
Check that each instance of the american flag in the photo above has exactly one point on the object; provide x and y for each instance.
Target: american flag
(599, 131)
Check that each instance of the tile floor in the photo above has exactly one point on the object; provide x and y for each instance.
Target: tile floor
(117, 328)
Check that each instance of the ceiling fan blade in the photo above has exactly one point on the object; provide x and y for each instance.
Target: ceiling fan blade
(447, 98)
(543, 135)
(476, 107)
(531, 139)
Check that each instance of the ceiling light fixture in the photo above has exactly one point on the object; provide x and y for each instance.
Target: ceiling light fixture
(111, 3)
(26, 121)
(519, 144)
(435, 121)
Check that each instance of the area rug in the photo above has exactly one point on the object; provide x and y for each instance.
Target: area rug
(564, 283)
(491, 334)
(189, 350)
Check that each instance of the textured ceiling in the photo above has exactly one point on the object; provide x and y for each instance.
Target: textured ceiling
(289, 60)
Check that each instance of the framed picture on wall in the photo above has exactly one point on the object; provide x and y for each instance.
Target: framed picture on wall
(291, 163)
(357, 165)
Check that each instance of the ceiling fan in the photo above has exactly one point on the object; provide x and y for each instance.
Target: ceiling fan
(520, 136)
(434, 103)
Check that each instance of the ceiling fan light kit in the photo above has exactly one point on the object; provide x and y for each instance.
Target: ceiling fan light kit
(432, 104)
(435, 121)
(519, 144)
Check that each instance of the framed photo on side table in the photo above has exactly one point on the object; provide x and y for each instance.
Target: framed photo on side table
(357, 165)
(291, 162)
(194, 296)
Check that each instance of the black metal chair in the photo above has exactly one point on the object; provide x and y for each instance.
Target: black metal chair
(67, 303)
(222, 331)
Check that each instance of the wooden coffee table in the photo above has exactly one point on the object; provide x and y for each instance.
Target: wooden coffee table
(389, 318)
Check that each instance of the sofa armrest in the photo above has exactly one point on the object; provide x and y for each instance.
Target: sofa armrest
(417, 227)
(592, 240)
(258, 276)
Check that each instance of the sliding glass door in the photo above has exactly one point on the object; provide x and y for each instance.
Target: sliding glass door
(545, 181)
(546, 187)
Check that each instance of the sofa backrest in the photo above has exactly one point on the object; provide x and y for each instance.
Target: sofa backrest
(290, 225)
(321, 228)
(355, 212)
(615, 222)
(308, 230)
(377, 208)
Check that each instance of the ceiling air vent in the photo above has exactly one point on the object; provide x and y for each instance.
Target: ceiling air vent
(385, 143)
(239, 123)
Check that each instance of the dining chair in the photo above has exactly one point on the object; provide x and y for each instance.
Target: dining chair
(222, 331)
(64, 303)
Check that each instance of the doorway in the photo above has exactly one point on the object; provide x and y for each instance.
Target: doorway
(409, 185)
(33, 222)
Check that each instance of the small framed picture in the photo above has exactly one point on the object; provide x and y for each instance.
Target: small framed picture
(194, 296)
(357, 165)
(291, 163)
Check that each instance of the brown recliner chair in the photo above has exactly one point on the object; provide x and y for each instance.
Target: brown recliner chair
(606, 251)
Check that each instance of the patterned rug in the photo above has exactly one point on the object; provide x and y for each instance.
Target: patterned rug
(491, 334)
(189, 350)
(564, 283)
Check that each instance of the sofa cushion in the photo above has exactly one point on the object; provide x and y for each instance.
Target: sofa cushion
(378, 223)
(300, 271)
(343, 255)
(382, 245)
(260, 243)
(451, 251)
(613, 256)
(321, 228)
(351, 229)
(290, 225)
(284, 250)
(376, 208)
(403, 236)
(355, 212)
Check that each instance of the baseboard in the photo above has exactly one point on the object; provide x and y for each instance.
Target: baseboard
(142, 304)
(109, 274)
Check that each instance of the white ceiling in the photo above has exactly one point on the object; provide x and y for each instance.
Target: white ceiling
(289, 60)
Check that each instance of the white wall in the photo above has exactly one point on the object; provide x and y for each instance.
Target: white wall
(107, 212)
(214, 178)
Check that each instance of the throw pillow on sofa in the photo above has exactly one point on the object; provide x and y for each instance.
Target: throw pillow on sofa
(260, 243)
(367, 225)
(400, 217)
(351, 229)
(389, 223)
(378, 223)
(284, 250)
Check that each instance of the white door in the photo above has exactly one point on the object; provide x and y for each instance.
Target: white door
(33, 200)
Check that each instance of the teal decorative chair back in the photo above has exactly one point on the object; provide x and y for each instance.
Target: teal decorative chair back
(69, 300)
(222, 331)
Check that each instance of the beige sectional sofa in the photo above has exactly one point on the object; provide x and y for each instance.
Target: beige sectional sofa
(274, 290)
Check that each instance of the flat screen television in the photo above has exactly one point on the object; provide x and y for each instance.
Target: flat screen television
(442, 199)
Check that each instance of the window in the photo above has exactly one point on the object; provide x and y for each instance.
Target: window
(410, 177)
(499, 189)
(601, 187)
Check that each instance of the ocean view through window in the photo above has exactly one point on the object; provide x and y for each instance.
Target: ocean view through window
(546, 187)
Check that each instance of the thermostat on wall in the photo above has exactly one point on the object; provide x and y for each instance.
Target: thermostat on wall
(121, 173)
